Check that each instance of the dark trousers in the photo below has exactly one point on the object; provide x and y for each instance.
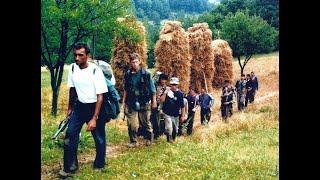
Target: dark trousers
(241, 101)
(82, 114)
(226, 111)
(249, 98)
(205, 114)
(155, 122)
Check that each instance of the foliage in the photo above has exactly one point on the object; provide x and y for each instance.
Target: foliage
(248, 35)
(157, 10)
(64, 23)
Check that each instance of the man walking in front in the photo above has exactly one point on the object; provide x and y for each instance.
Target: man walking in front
(139, 96)
(87, 85)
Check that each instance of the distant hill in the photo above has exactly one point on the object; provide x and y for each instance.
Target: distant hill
(157, 10)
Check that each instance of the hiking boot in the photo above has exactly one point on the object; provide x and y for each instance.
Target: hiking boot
(64, 174)
(132, 144)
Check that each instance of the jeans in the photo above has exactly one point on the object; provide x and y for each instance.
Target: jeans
(82, 114)
(205, 114)
(171, 125)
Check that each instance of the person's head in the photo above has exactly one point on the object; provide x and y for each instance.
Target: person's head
(81, 53)
(252, 73)
(248, 76)
(226, 82)
(174, 82)
(191, 91)
(203, 91)
(135, 61)
(163, 79)
(243, 76)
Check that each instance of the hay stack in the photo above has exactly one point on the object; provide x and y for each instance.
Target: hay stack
(120, 61)
(222, 62)
(202, 58)
(172, 53)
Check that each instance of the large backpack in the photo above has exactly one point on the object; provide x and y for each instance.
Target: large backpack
(110, 107)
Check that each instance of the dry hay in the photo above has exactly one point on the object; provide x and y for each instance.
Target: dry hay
(222, 63)
(172, 53)
(202, 58)
(120, 61)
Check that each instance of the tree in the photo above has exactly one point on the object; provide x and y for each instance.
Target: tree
(247, 35)
(66, 22)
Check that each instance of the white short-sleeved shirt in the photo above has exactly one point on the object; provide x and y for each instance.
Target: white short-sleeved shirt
(87, 82)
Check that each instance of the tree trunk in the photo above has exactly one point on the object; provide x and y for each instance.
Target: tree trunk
(241, 66)
(55, 94)
(57, 72)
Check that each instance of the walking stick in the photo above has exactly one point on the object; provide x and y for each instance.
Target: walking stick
(204, 77)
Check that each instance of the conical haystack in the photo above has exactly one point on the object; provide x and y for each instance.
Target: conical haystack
(120, 61)
(172, 53)
(222, 63)
(202, 58)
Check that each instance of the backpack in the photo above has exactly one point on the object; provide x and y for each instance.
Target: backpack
(110, 108)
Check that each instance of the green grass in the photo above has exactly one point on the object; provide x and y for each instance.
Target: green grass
(52, 150)
(241, 155)
(46, 80)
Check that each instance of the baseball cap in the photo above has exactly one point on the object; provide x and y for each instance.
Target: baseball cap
(174, 80)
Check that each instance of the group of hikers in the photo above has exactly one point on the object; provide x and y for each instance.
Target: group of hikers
(151, 107)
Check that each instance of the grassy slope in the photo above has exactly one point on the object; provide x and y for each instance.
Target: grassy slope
(246, 148)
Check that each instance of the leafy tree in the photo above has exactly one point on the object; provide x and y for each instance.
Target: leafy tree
(267, 9)
(248, 35)
(66, 22)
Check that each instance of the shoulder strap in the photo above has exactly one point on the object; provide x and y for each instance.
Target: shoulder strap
(72, 68)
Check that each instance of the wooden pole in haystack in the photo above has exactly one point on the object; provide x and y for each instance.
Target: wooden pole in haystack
(124, 47)
(172, 53)
(222, 63)
(202, 57)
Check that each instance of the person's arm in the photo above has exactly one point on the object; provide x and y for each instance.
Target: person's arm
(93, 121)
(101, 87)
(182, 107)
(163, 96)
(153, 92)
(154, 102)
(124, 97)
(72, 99)
(72, 90)
(257, 83)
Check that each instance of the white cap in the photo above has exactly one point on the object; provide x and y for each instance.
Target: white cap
(174, 80)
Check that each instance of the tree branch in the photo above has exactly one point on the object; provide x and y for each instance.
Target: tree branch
(247, 59)
(102, 14)
(46, 45)
(239, 62)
